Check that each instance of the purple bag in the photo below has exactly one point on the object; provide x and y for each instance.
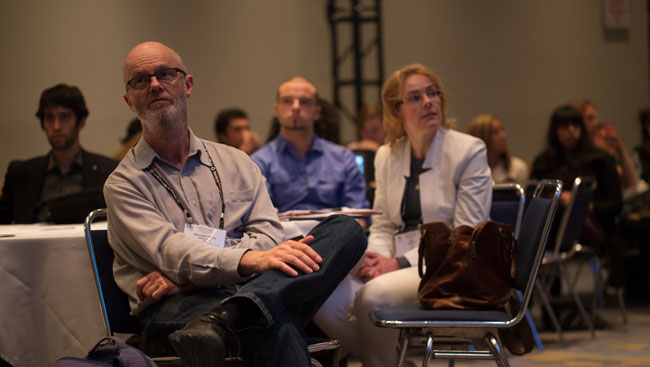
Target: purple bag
(109, 351)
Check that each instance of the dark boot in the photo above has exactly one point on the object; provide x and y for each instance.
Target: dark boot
(206, 341)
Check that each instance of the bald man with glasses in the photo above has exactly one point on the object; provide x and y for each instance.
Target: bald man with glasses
(198, 245)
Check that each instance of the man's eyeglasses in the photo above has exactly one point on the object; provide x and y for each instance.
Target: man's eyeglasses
(416, 99)
(165, 76)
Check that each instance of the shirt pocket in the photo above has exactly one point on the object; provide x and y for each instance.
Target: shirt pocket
(238, 205)
(330, 189)
(282, 186)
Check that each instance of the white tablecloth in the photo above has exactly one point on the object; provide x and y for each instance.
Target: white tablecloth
(48, 299)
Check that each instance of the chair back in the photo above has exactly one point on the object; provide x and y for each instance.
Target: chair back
(365, 160)
(535, 227)
(508, 201)
(574, 214)
(114, 303)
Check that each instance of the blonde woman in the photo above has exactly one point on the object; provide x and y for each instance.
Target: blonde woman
(505, 168)
(425, 172)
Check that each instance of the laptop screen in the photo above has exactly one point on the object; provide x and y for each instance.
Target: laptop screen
(360, 159)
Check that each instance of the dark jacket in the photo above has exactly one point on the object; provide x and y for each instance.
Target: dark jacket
(608, 197)
(643, 151)
(24, 183)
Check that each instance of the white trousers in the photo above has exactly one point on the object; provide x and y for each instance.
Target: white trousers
(346, 314)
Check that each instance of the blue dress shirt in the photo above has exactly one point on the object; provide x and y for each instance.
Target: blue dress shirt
(327, 178)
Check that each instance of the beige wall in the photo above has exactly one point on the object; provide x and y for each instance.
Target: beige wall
(521, 59)
(517, 59)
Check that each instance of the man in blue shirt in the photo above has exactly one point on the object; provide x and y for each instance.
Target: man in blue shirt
(303, 171)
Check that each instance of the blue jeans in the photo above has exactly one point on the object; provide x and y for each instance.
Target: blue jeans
(286, 303)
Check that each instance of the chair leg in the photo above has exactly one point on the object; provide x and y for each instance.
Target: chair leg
(598, 289)
(404, 343)
(576, 276)
(577, 301)
(429, 352)
(621, 304)
(531, 323)
(547, 306)
(598, 283)
(496, 350)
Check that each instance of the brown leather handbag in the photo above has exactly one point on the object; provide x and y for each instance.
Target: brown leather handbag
(466, 268)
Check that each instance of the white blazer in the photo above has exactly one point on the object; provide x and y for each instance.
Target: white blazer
(457, 188)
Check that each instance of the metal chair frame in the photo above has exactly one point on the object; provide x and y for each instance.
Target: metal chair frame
(96, 214)
(566, 247)
(472, 334)
(514, 193)
(111, 310)
(598, 299)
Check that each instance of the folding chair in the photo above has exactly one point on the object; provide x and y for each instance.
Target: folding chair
(114, 304)
(472, 334)
(508, 202)
(365, 160)
(566, 248)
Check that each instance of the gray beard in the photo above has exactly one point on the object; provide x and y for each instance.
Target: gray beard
(162, 118)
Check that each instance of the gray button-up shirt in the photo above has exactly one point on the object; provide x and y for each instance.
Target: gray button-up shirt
(146, 224)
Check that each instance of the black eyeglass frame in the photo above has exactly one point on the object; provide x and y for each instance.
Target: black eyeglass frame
(156, 75)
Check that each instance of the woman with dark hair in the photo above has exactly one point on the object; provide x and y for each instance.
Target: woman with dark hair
(570, 154)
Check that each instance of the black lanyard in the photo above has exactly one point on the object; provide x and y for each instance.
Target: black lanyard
(217, 180)
(172, 192)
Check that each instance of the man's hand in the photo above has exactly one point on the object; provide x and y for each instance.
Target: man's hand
(607, 138)
(375, 265)
(296, 253)
(155, 285)
(250, 142)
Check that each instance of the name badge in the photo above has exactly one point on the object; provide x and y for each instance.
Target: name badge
(406, 241)
(209, 235)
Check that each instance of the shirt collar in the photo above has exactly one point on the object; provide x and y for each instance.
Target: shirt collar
(433, 156)
(317, 144)
(51, 162)
(198, 148)
(145, 154)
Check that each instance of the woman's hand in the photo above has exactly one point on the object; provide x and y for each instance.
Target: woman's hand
(375, 265)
